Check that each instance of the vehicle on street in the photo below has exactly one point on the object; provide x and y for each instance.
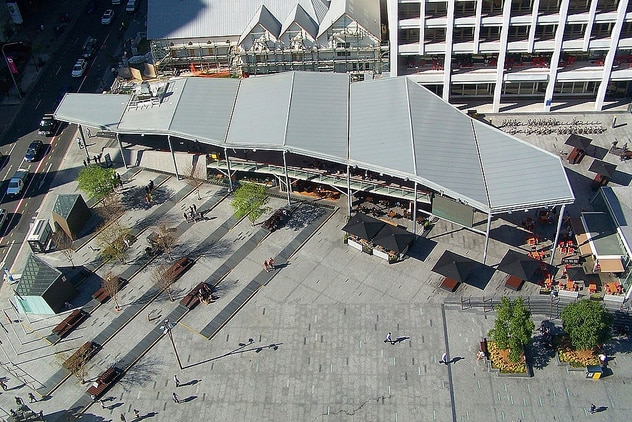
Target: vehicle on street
(3, 217)
(17, 182)
(131, 6)
(107, 17)
(48, 125)
(33, 150)
(115, 2)
(79, 68)
(89, 47)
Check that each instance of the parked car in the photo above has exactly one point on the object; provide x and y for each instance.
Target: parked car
(33, 150)
(48, 125)
(107, 17)
(79, 68)
(17, 182)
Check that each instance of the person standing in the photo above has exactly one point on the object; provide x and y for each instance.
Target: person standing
(176, 381)
(32, 398)
(3, 385)
(123, 417)
(265, 266)
(103, 406)
(176, 399)
(194, 208)
(444, 358)
(137, 413)
(271, 263)
(389, 338)
(593, 408)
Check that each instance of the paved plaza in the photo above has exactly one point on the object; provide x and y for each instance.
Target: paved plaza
(304, 342)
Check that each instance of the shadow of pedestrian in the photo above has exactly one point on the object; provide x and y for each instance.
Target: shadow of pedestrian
(400, 339)
(148, 415)
(601, 409)
(456, 359)
(192, 382)
(188, 399)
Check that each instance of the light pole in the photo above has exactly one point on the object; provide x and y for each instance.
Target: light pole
(166, 329)
(6, 60)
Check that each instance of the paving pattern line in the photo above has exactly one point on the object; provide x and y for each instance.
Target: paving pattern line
(448, 365)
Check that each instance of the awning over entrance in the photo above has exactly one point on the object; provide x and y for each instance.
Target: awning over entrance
(611, 265)
(584, 245)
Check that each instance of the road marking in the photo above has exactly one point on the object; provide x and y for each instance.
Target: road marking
(58, 70)
(44, 176)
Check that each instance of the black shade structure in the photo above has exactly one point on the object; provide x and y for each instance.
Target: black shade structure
(579, 142)
(519, 265)
(603, 168)
(455, 266)
(576, 274)
(394, 238)
(363, 226)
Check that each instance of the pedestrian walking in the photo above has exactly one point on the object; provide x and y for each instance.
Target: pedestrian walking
(79, 143)
(3, 385)
(147, 190)
(176, 381)
(194, 208)
(176, 399)
(147, 198)
(265, 266)
(388, 338)
(85, 164)
(88, 132)
(444, 358)
(41, 415)
(32, 398)
(123, 417)
(102, 402)
(151, 186)
(137, 413)
(95, 159)
(118, 177)
(271, 263)
(19, 401)
(593, 408)
(186, 217)
(88, 159)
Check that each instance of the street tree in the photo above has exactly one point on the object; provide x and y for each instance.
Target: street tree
(195, 175)
(587, 324)
(513, 327)
(77, 363)
(110, 207)
(63, 243)
(249, 200)
(113, 241)
(112, 285)
(165, 239)
(96, 181)
(164, 277)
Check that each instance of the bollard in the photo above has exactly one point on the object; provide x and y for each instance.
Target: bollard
(614, 122)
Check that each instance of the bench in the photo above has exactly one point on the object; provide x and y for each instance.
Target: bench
(178, 268)
(576, 156)
(449, 284)
(104, 381)
(75, 318)
(192, 299)
(81, 355)
(514, 283)
(102, 294)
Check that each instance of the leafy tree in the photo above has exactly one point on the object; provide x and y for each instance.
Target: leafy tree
(113, 241)
(587, 323)
(96, 181)
(249, 200)
(64, 244)
(513, 327)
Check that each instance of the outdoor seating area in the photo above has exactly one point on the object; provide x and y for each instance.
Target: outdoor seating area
(103, 293)
(81, 355)
(104, 381)
(377, 237)
(75, 318)
(202, 293)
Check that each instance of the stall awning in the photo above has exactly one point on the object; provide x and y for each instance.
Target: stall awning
(611, 265)
(584, 245)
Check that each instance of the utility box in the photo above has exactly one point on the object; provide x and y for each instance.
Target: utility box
(594, 371)
(39, 236)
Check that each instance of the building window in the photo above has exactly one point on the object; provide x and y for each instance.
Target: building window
(549, 6)
(601, 30)
(518, 33)
(545, 32)
(521, 7)
(490, 33)
(492, 7)
(579, 6)
(409, 36)
(343, 53)
(435, 35)
(436, 9)
(463, 34)
(409, 11)
(604, 6)
(343, 45)
(464, 9)
(573, 31)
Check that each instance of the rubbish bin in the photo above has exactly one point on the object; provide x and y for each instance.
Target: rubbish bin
(594, 371)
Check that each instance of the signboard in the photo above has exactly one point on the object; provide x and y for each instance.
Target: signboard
(448, 209)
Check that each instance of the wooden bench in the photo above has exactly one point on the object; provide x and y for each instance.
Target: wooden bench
(104, 381)
(102, 294)
(514, 283)
(75, 318)
(192, 299)
(449, 284)
(84, 353)
(179, 267)
(576, 156)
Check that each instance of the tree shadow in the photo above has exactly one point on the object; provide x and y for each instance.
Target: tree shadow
(304, 215)
(540, 352)
(218, 249)
(140, 373)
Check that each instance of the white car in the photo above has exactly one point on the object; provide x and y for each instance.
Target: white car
(107, 17)
(79, 68)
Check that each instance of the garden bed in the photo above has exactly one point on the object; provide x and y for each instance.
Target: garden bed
(500, 361)
(575, 358)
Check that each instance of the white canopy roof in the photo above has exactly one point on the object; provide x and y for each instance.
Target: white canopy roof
(391, 126)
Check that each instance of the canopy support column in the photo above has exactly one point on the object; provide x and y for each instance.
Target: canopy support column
(489, 224)
(557, 233)
(415, 212)
(83, 141)
(230, 174)
(173, 156)
(349, 194)
(120, 144)
(287, 179)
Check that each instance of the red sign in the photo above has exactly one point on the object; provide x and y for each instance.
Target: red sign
(12, 67)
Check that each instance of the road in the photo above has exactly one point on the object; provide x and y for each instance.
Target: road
(43, 98)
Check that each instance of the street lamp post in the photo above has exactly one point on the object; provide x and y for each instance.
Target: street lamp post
(166, 329)
(6, 60)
